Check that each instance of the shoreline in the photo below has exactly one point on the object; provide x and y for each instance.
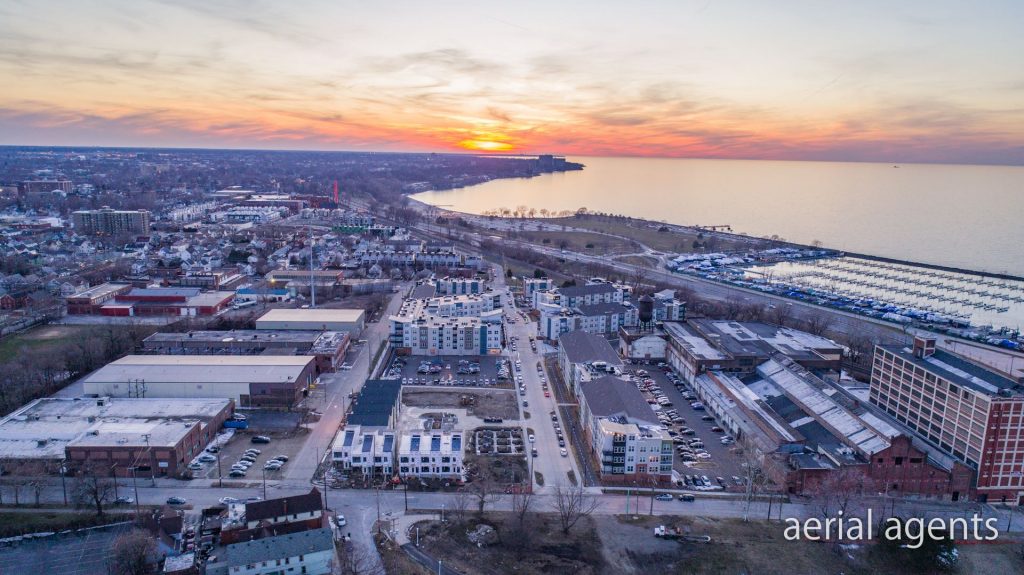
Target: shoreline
(738, 236)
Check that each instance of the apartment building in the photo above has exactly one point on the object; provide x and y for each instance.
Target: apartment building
(107, 221)
(599, 318)
(449, 325)
(431, 454)
(965, 409)
(459, 286)
(623, 434)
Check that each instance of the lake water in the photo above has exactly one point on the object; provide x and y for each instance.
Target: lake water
(962, 216)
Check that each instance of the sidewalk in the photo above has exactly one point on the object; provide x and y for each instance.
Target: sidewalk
(403, 523)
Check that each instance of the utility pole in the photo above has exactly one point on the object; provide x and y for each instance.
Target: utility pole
(312, 284)
(264, 484)
(149, 453)
(135, 485)
(220, 475)
(63, 485)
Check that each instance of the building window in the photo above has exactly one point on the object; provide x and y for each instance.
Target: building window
(898, 460)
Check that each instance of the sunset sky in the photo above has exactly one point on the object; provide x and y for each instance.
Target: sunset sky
(839, 80)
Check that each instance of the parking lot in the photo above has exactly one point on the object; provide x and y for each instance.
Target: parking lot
(723, 463)
(287, 443)
(456, 371)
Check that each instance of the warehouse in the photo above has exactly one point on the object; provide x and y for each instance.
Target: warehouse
(328, 347)
(350, 320)
(271, 381)
(153, 436)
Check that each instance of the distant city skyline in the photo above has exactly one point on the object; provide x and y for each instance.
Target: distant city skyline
(802, 80)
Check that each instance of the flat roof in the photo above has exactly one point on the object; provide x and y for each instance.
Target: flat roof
(956, 370)
(43, 428)
(100, 290)
(318, 315)
(203, 368)
(693, 342)
(581, 346)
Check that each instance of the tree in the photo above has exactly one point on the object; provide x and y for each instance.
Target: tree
(132, 552)
(572, 504)
(842, 490)
(483, 492)
(460, 503)
(818, 323)
(522, 499)
(93, 489)
(355, 559)
(752, 465)
(780, 314)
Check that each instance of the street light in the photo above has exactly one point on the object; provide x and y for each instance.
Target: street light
(63, 485)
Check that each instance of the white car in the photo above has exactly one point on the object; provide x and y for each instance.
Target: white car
(340, 521)
(195, 466)
(532, 438)
(207, 458)
(564, 452)
(228, 500)
(704, 455)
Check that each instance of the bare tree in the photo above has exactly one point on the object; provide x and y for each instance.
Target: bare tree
(460, 503)
(780, 314)
(732, 308)
(484, 492)
(842, 490)
(522, 499)
(132, 553)
(355, 559)
(818, 323)
(572, 504)
(92, 489)
(752, 465)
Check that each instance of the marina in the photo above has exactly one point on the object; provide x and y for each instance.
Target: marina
(962, 304)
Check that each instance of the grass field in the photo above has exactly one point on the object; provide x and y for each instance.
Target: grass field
(40, 337)
(647, 233)
(582, 242)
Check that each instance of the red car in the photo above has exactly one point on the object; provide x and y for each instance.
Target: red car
(546, 394)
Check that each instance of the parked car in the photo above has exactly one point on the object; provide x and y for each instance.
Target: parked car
(228, 500)
(175, 500)
(281, 458)
(663, 497)
(253, 450)
(687, 497)
(260, 439)
(237, 473)
(564, 452)
(340, 521)
(124, 501)
(206, 457)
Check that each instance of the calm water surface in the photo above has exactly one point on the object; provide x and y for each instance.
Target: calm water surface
(964, 216)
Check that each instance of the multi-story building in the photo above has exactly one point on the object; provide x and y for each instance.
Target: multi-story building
(585, 356)
(328, 347)
(431, 335)
(623, 434)
(534, 285)
(667, 308)
(91, 301)
(459, 286)
(593, 292)
(44, 186)
(435, 453)
(107, 222)
(599, 318)
(965, 409)
(450, 325)
(252, 214)
(472, 305)
(366, 445)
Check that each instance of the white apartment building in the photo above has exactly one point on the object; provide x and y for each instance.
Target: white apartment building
(432, 335)
(365, 451)
(431, 454)
(599, 318)
(469, 305)
(534, 285)
(459, 286)
(591, 293)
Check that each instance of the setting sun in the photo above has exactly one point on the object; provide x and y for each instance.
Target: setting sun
(485, 145)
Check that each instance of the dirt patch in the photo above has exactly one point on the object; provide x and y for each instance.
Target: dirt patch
(479, 403)
(501, 470)
(536, 547)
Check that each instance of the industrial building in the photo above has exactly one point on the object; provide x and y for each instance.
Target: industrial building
(698, 345)
(107, 222)
(328, 347)
(179, 301)
(270, 381)
(967, 410)
(111, 436)
(315, 319)
(642, 343)
(89, 302)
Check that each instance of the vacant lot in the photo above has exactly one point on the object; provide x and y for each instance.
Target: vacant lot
(41, 338)
(82, 552)
(647, 233)
(537, 547)
(754, 547)
(489, 403)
